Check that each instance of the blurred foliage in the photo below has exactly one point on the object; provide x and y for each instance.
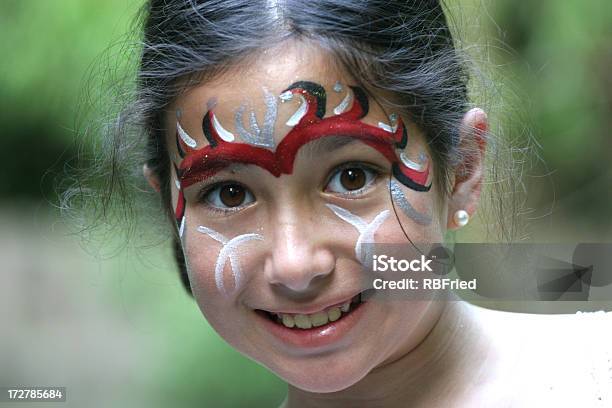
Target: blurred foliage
(556, 53)
(561, 57)
(48, 49)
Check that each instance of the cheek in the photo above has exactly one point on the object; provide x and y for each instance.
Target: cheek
(203, 255)
(218, 260)
(200, 261)
(414, 217)
(208, 264)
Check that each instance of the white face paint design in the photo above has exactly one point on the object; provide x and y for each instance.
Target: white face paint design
(389, 128)
(189, 141)
(300, 112)
(344, 105)
(182, 227)
(400, 199)
(418, 165)
(366, 231)
(228, 251)
(257, 136)
(223, 133)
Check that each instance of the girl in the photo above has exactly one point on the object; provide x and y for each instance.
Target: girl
(285, 136)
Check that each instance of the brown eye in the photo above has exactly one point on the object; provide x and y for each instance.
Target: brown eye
(232, 195)
(227, 196)
(353, 179)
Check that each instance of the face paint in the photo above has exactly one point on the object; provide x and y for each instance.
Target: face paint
(224, 134)
(199, 164)
(228, 251)
(259, 137)
(389, 128)
(343, 106)
(418, 166)
(188, 140)
(179, 212)
(404, 174)
(399, 198)
(366, 231)
(182, 227)
(308, 124)
(299, 113)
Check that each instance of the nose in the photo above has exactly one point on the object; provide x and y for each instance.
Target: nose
(299, 259)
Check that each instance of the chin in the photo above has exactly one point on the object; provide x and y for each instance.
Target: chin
(325, 384)
(323, 374)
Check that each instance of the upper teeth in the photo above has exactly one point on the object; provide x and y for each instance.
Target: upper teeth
(307, 321)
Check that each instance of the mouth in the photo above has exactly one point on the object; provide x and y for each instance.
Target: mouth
(317, 329)
(324, 317)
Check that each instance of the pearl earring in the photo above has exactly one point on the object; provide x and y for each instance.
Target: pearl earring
(461, 218)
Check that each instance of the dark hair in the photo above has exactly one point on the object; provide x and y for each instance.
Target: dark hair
(402, 48)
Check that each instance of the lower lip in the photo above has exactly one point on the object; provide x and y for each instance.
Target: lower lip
(316, 337)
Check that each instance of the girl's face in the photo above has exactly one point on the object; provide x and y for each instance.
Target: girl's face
(281, 170)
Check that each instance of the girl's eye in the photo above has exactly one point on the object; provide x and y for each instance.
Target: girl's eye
(351, 180)
(228, 196)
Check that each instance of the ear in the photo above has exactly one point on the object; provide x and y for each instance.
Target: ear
(470, 169)
(151, 177)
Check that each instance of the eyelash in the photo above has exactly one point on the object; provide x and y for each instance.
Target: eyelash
(355, 165)
(221, 210)
(202, 197)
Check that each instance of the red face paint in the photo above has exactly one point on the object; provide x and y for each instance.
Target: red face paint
(200, 164)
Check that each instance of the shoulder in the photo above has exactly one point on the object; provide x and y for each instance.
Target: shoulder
(561, 360)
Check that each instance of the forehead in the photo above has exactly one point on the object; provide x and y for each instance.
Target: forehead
(282, 100)
(246, 88)
(275, 68)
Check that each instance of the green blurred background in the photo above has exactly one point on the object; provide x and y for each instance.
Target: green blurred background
(120, 331)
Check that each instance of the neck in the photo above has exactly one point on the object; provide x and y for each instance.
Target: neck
(436, 369)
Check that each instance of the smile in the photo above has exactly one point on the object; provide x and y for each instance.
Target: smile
(319, 328)
(318, 319)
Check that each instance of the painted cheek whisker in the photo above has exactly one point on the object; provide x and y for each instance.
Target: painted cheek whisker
(398, 196)
(366, 230)
(228, 251)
